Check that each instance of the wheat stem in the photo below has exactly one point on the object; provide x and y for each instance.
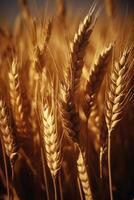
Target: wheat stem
(60, 186)
(55, 189)
(44, 173)
(109, 166)
(6, 171)
(80, 190)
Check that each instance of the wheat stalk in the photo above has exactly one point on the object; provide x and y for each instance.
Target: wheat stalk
(83, 176)
(118, 96)
(16, 98)
(7, 135)
(96, 77)
(78, 49)
(51, 140)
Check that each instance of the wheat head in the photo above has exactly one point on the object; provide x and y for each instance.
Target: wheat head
(7, 135)
(16, 98)
(51, 140)
(69, 115)
(119, 93)
(96, 77)
(78, 49)
(83, 176)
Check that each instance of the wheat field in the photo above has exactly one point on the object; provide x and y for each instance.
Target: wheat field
(67, 103)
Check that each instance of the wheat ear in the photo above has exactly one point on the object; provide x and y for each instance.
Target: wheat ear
(15, 98)
(51, 140)
(7, 136)
(47, 32)
(78, 48)
(69, 115)
(96, 77)
(38, 53)
(118, 96)
(83, 176)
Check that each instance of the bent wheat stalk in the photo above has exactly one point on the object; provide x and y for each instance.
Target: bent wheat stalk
(118, 96)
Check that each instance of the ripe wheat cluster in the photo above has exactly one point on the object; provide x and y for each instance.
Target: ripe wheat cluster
(66, 105)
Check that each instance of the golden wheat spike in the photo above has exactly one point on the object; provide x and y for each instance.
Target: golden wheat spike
(51, 140)
(7, 135)
(39, 47)
(96, 77)
(83, 176)
(78, 48)
(16, 98)
(118, 96)
(46, 35)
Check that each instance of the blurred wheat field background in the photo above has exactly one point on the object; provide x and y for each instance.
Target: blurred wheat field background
(67, 103)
